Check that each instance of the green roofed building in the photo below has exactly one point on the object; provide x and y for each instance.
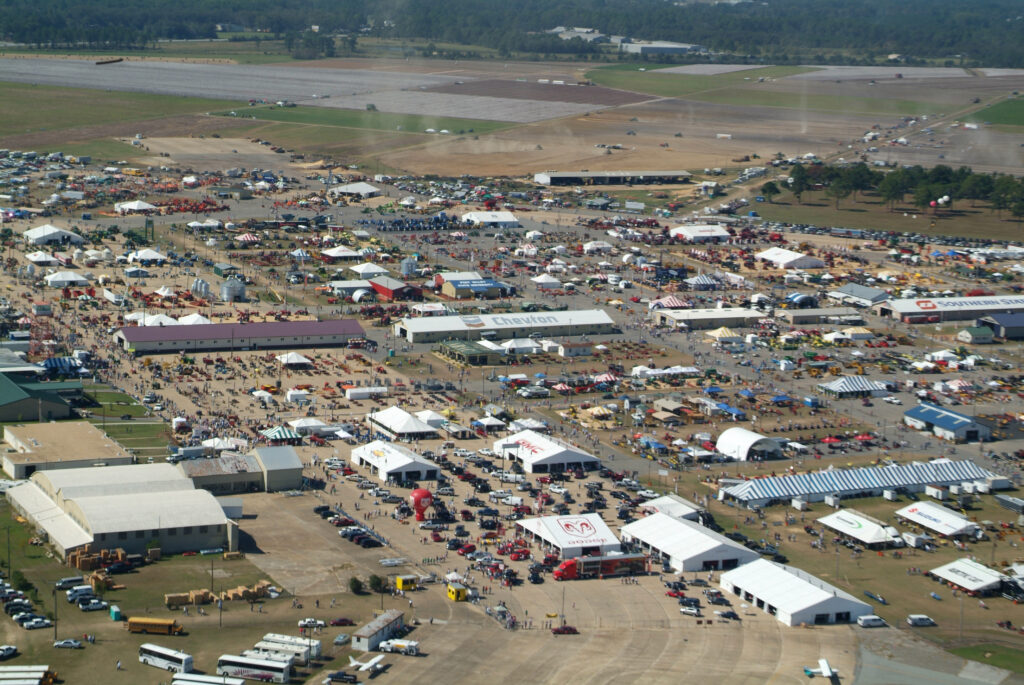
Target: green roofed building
(469, 352)
(33, 401)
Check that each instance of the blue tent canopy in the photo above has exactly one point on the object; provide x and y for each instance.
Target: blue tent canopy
(746, 393)
(782, 398)
(711, 390)
(730, 410)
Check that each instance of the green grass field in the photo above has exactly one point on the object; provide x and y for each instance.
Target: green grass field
(999, 656)
(678, 85)
(376, 121)
(242, 52)
(30, 109)
(1005, 113)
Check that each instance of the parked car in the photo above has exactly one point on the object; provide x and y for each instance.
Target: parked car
(68, 644)
(689, 611)
(565, 630)
(342, 677)
(38, 623)
(311, 623)
(7, 651)
(342, 622)
(93, 604)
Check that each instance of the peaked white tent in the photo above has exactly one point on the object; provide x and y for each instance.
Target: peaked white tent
(871, 532)
(431, 418)
(546, 282)
(65, 279)
(307, 425)
(133, 206)
(396, 423)
(193, 319)
(341, 252)
(47, 233)
(544, 454)
(937, 518)
(572, 536)
(687, 546)
(393, 462)
(368, 269)
(41, 258)
(146, 254)
(164, 291)
(292, 359)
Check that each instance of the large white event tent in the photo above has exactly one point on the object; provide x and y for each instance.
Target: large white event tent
(937, 518)
(394, 462)
(813, 487)
(791, 595)
(545, 454)
(970, 575)
(397, 423)
(685, 545)
(871, 532)
(573, 536)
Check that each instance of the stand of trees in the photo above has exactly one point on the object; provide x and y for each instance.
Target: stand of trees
(982, 32)
(922, 187)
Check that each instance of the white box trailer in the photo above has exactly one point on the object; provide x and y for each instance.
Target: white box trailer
(315, 649)
(116, 299)
(365, 393)
(299, 655)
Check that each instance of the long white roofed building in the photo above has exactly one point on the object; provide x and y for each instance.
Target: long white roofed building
(125, 507)
(538, 453)
(504, 326)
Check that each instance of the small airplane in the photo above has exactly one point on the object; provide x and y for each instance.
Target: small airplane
(371, 665)
(824, 670)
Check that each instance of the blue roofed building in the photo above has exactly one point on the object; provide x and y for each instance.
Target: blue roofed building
(479, 288)
(946, 423)
(1005, 326)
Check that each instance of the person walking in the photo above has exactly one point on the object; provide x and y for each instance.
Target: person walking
(118, 665)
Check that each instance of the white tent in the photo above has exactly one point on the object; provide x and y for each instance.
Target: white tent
(307, 425)
(368, 269)
(341, 252)
(398, 423)
(788, 259)
(359, 189)
(546, 282)
(47, 233)
(687, 546)
(969, 575)
(745, 445)
(146, 254)
(596, 246)
(144, 319)
(164, 291)
(725, 335)
(795, 597)
(862, 528)
(41, 258)
(393, 462)
(543, 454)
(133, 206)
(193, 319)
(573, 536)
(292, 359)
(672, 505)
(296, 395)
(64, 279)
(431, 418)
(521, 346)
(937, 518)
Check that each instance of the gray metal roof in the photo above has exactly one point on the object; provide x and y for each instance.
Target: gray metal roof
(241, 331)
(864, 292)
(278, 458)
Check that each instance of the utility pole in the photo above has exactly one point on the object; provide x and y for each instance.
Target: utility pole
(55, 614)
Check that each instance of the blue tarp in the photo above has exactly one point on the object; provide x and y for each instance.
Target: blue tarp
(712, 389)
(782, 398)
(746, 393)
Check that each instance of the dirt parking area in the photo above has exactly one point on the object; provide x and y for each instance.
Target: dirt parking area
(212, 153)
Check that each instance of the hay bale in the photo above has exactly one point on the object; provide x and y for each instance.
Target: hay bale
(176, 599)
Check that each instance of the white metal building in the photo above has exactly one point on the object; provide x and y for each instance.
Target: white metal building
(359, 189)
(491, 219)
(42, 235)
(538, 453)
(685, 545)
(571, 536)
(368, 637)
(788, 259)
(869, 531)
(792, 596)
(970, 576)
(124, 507)
(745, 445)
(672, 505)
(700, 233)
(937, 518)
(393, 462)
(504, 326)
(936, 309)
(281, 466)
(397, 423)
(698, 319)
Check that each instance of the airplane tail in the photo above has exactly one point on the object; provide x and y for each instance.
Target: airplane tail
(352, 661)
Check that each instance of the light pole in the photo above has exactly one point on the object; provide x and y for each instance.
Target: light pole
(55, 615)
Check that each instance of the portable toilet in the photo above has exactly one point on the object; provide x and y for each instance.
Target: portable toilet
(457, 592)
(115, 613)
(811, 402)
(406, 582)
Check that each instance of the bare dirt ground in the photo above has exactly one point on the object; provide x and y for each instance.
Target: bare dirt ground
(213, 153)
(569, 143)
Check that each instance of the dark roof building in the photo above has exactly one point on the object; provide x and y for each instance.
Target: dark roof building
(238, 336)
(392, 289)
(946, 423)
(1005, 326)
(31, 401)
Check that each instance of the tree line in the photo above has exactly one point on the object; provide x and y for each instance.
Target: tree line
(982, 32)
(940, 187)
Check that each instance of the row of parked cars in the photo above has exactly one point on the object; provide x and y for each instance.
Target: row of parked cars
(348, 527)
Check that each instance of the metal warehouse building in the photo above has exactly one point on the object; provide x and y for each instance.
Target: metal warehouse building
(238, 336)
(1005, 326)
(699, 319)
(685, 545)
(934, 310)
(125, 507)
(792, 596)
(946, 423)
(503, 326)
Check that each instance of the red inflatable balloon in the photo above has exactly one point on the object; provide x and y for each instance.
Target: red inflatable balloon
(420, 499)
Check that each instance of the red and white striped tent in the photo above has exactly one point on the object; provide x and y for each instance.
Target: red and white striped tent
(248, 238)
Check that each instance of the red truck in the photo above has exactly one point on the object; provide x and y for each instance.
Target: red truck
(593, 567)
